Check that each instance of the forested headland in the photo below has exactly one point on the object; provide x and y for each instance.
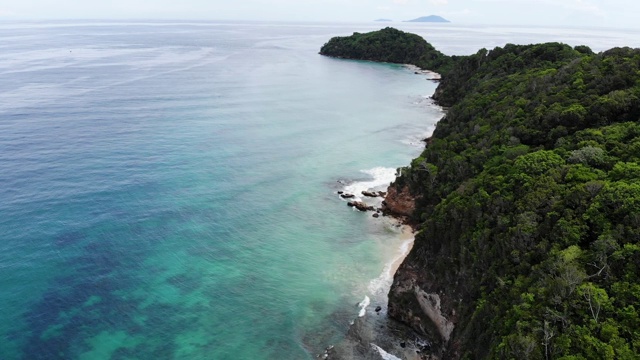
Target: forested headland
(388, 45)
(527, 199)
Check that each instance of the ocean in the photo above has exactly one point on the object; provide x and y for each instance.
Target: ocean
(169, 189)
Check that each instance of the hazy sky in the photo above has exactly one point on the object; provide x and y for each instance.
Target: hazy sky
(611, 13)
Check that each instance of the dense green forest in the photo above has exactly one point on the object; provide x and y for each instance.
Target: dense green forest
(388, 45)
(528, 200)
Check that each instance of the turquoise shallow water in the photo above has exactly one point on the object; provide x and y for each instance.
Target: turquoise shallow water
(168, 189)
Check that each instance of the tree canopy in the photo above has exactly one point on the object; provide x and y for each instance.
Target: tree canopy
(534, 210)
(388, 45)
(529, 198)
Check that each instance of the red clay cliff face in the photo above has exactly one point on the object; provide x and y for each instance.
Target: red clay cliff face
(399, 201)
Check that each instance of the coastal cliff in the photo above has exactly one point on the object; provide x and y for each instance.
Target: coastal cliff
(399, 201)
(527, 205)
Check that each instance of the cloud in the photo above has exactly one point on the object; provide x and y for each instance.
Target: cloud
(401, 2)
(7, 12)
(458, 13)
(587, 6)
(439, 2)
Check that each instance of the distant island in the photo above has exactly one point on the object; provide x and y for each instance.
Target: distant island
(430, 18)
(386, 20)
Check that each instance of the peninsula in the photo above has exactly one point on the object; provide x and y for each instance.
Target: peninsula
(388, 45)
(526, 200)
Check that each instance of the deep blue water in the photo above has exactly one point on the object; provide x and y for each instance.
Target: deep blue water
(169, 189)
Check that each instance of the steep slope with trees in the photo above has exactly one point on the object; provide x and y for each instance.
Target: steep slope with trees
(528, 200)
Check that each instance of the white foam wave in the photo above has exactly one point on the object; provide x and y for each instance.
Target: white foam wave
(385, 355)
(363, 306)
(382, 284)
(382, 177)
(417, 139)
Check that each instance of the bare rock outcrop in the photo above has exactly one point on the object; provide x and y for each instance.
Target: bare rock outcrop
(399, 201)
(430, 312)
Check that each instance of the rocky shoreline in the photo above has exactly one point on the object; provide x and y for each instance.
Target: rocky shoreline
(397, 203)
(387, 333)
(378, 335)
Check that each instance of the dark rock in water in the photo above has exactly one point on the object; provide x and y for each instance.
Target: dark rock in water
(347, 196)
(403, 344)
(369, 194)
(382, 193)
(417, 73)
(378, 308)
(340, 192)
(360, 206)
(376, 215)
